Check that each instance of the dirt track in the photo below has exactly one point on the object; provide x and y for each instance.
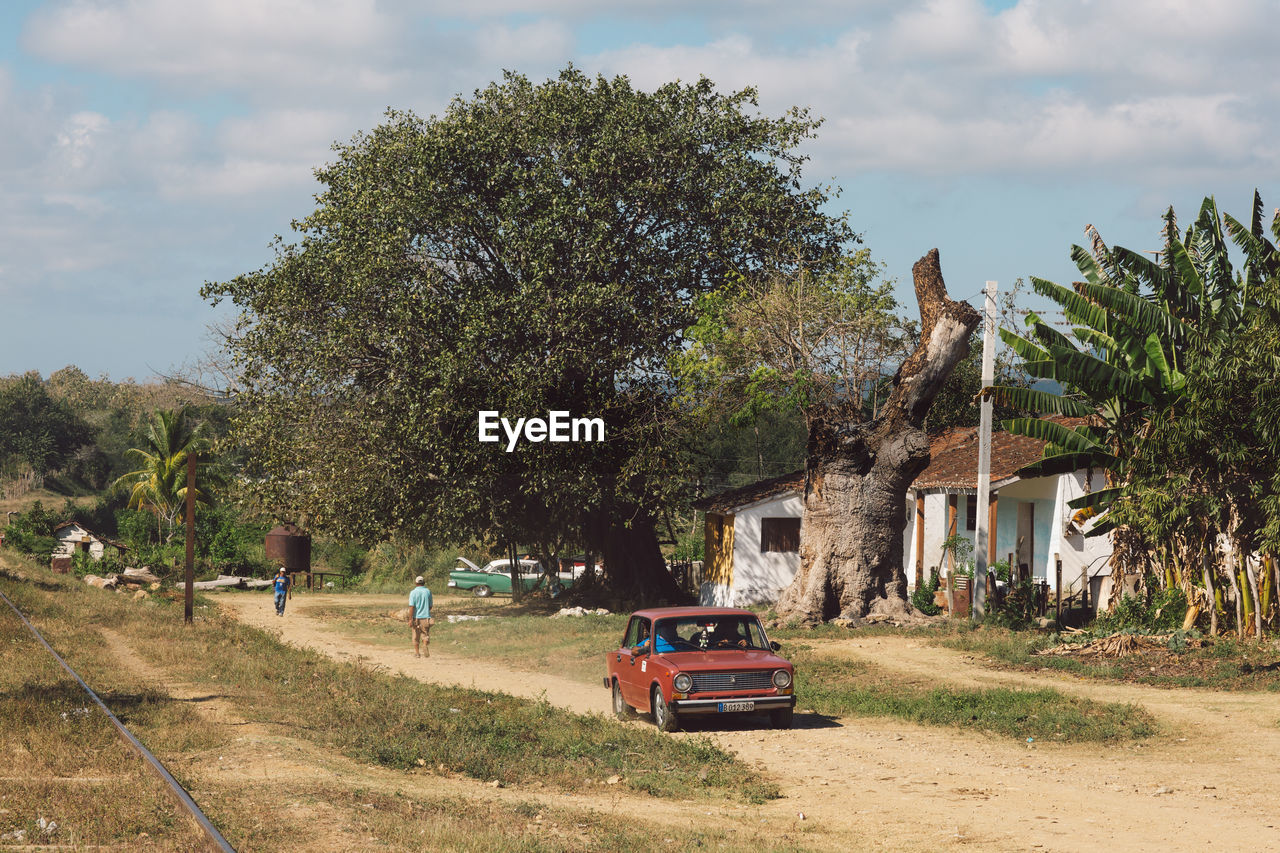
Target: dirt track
(885, 785)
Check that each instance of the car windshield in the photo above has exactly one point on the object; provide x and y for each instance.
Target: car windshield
(706, 633)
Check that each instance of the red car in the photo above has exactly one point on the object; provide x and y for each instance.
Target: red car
(678, 661)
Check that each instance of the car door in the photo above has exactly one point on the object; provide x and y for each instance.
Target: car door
(632, 676)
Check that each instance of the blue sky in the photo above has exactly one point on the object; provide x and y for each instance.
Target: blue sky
(152, 145)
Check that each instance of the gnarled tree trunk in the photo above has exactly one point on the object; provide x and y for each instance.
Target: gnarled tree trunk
(857, 475)
(627, 541)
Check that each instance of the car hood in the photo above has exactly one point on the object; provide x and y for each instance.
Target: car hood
(470, 566)
(720, 659)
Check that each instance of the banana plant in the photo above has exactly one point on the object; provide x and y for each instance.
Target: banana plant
(1138, 326)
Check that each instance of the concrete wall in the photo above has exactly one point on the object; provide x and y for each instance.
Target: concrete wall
(1080, 554)
(759, 578)
(69, 542)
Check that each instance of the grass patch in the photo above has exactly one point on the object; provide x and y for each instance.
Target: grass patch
(847, 687)
(63, 761)
(570, 647)
(574, 648)
(1226, 664)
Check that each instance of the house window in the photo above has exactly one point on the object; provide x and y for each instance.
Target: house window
(779, 534)
(971, 512)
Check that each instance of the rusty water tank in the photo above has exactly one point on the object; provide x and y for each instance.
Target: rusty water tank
(289, 545)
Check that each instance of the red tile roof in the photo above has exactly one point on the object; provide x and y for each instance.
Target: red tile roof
(954, 457)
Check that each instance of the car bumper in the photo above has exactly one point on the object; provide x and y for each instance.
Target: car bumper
(452, 583)
(712, 706)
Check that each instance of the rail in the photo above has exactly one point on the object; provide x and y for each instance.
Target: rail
(216, 841)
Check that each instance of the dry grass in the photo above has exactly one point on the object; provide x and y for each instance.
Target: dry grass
(65, 763)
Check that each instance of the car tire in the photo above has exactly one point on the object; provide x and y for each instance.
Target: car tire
(621, 709)
(664, 716)
(781, 717)
(481, 591)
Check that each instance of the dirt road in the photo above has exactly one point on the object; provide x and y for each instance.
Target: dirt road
(866, 784)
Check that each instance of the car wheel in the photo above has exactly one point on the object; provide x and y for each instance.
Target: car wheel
(664, 716)
(621, 709)
(481, 591)
(781, 718)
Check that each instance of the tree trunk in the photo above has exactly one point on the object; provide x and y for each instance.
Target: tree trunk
(1211, 593)
(633, 564)
(857, 474)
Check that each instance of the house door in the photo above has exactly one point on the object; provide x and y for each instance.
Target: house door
(1026, 549)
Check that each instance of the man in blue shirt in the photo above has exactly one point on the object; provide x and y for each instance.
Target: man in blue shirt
(282, 585)
(420, 619)
(667, 638)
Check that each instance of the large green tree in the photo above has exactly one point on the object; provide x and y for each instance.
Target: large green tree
(537, 247)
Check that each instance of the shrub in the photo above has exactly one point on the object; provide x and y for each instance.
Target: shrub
(1161, 611)
(922, 596)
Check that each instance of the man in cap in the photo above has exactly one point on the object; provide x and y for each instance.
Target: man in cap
(282, 586)
(420, 617)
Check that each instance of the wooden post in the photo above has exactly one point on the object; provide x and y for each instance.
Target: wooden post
(1057, 561)
(919, 539)
(951, 554)
(1084, 586)
(189, 595)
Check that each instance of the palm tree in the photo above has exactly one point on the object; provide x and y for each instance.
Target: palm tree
(159, 485)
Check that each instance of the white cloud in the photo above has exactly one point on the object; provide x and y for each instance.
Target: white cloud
(225, 44)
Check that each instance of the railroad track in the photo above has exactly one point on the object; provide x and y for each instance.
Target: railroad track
(213, 838)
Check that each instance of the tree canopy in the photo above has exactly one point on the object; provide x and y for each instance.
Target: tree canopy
(537, 247)
(36, 427)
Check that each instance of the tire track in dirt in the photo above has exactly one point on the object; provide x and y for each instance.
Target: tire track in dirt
(888, 785)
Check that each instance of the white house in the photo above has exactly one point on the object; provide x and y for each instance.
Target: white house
(752, 541)
(753, 532)
(1029, 521)
(74, 538)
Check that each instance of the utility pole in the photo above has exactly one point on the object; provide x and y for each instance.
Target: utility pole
(189, 597)
(982, 534)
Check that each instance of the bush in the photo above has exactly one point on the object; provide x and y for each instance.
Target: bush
(922, 596)
(32, 532)
(394, 564)
(1018, 608)
(1161, 611)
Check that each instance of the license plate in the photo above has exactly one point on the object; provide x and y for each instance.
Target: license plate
(737, 706)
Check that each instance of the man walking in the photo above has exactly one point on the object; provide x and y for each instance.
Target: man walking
(282, 590)
(420, 618)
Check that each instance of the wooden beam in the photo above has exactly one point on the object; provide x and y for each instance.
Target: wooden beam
(919, 539)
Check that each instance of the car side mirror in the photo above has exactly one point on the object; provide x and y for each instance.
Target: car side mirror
(775, 645)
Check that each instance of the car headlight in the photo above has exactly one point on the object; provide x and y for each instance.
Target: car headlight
(683, 683)
(781, 679)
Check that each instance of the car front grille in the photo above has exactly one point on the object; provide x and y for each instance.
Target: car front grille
(713, 682)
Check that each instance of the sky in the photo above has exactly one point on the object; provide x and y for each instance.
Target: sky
(149, 146)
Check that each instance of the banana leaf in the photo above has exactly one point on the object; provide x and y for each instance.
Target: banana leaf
(1031, 400)
(1091, 374)
(1077, 308)
(1096, 498)
(1054, 432)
